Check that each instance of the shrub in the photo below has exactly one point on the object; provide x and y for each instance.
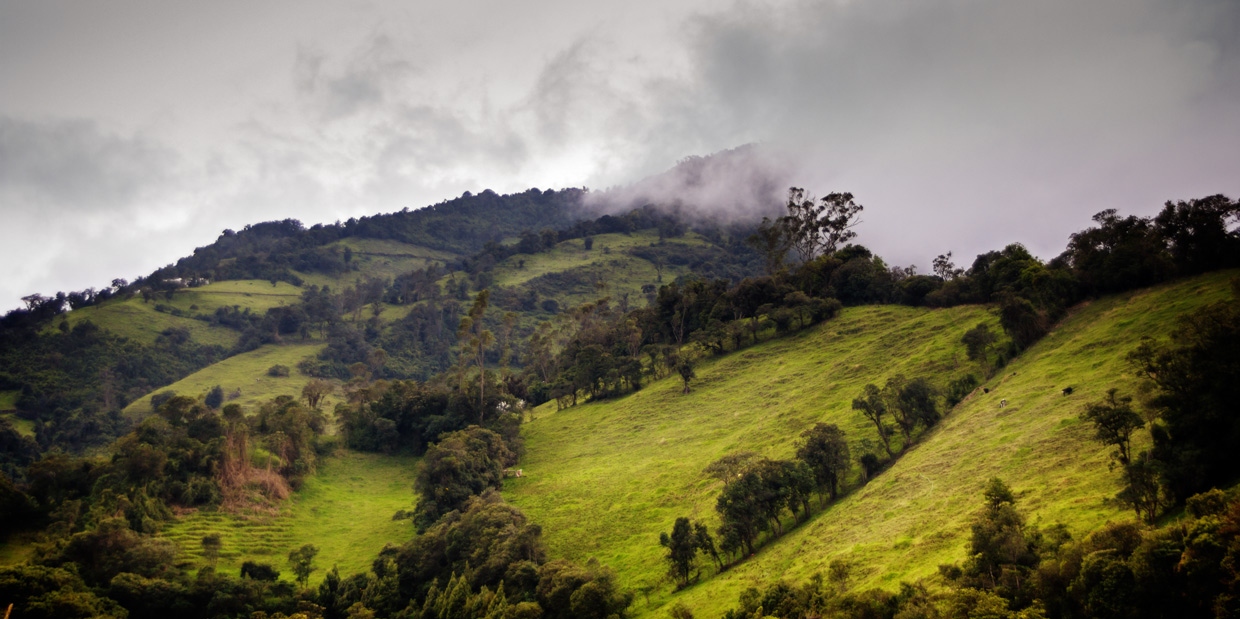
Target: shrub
(278, 370)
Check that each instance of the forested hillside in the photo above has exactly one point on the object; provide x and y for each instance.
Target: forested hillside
(642, 413)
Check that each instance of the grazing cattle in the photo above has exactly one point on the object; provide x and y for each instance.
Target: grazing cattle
(1067, 390)
(1002, 403)
(985, 389)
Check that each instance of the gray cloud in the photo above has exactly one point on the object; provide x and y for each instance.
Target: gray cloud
(960, 124)
(74, 165)
(971, 124)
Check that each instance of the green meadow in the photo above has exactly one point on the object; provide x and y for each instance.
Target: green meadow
(247, 373)
(605, 478)
(138, 320)
(8, 408)
(345, 509)
(377, 258)
(256, 295)
(572, 254)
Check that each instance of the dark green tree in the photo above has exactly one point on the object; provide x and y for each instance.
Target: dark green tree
(872, 404)
(977, 342)
(1114, 422)
(825, 449)
(682, 550)
(685, 368)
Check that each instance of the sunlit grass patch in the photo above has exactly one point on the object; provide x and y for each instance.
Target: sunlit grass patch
(605, 478)
(247, 373)
(345, 509)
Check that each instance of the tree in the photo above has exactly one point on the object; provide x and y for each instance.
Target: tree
(730, 466)
(685, 368)
(872, 405)
(1021, 320)
(1114, 422)
(682, 550)
(1141, 491)
(977, 342)
(1196, 376)
(706, 543)
(825, 450)
(914, 403)
(215, 397)
(819, 229)
(315, 391)
(475, 341)
(944, 268)
(1000, 552)
(302, 561)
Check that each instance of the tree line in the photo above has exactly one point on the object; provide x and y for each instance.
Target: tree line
(1016, 570)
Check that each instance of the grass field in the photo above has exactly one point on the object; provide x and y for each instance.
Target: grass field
(248, 373)
(378, 258)
(572, 254)
(345, 509)
(138, 320)
(604, 479)
(8, 404)
(256, 295)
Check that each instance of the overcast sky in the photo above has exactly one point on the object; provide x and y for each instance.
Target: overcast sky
(132, 132)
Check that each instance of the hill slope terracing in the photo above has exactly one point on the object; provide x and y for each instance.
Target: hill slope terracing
(604, 479)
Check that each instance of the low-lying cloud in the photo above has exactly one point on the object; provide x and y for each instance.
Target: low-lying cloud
(960, 124)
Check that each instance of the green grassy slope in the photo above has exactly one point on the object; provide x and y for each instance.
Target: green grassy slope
(8, 408)
(258, 296)
(378, 258)
(572, 254)
(345, 509)
(248, 373)
(605, 479)
(138, 320)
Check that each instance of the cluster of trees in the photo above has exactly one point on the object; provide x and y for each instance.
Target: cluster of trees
(1017, 571)
(760, 493)
(757, 495)
(97, 554)
(73, 382)
(600, 350)
(1189, 414)
(911, 404)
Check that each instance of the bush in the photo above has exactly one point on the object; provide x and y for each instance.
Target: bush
(161, 398)
(960, 388)
(259, 571)
(215, 397)
(277, 370)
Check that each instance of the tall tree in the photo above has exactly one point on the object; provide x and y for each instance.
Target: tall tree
(872, 404)
(819, 229)
(1114, 422)
(476, 339)
(302, 561)
(682, 550)
(824, 448)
